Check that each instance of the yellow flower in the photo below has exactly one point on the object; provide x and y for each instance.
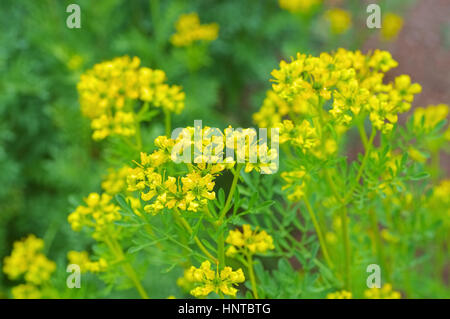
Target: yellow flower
(248, 241)
(27, 259)
(198, 188)
(441, 193)
(343, 294)
(426, 119)
(115, 182)
(75, 62)
(111, 90)
(26, 291)
(416, 155)
(352, 80)
(303, 136)
(340, 20)
(86, 265)
(99, 213)
(207, 281)
(392, 24)
(190, 30)
(385, 292)
(294, 6)
(294, 183)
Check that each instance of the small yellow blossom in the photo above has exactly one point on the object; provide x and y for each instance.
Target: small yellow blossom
(248, 241)
(190, 30)
(26, 291)
(294, 6)
(99, 213)
(86, 265)
(426, 119)
(340, 20)
(115, 182)
(385, 292)
(391, 26)
(75, 62)
(207, 281)
(342, 294)
(28, 260)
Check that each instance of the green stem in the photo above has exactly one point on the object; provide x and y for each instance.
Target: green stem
(363, 135)
(361, 168)
(377, 241)
(346, 243)
(167, 123)
(231, 193)
(226, 207)
(186, 225)
(252, 275)
(318, 231)
(138, 135)
(116, 249)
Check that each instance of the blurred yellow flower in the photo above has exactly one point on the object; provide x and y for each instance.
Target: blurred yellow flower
(340, 20)
(190, 30)
(248, 241)
(108, 93)
(294, 6)
(27, 259)
(385, 292)
(343, 294)
(86, 265)
(391, 26)
(26, 291)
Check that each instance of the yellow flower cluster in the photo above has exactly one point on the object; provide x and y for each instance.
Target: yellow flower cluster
(343, 294)
(392, 24)
(351, 80)
(294, 6)
(109, 91)
(99, 213)
(27, 259)
(26, 291)
(385, 292)
(441, 192)
(304, 136)
(189, 30)
(426, 119)
(248, 241)
(440, 201)
(115, 181)
(192, 191)
(207, 281)
(294, 183)
(340, 20)
(185, 282)
(86, 265)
